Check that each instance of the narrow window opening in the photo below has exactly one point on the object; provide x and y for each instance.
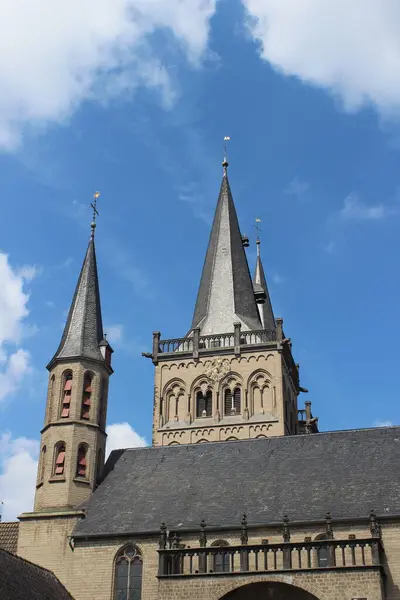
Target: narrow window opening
(232, 401)
(66, 401)
(87, 396)
(42, 463)
(59, 466)
(81, 466)
(204, 404)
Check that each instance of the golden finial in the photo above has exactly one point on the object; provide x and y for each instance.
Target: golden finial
(95, 211)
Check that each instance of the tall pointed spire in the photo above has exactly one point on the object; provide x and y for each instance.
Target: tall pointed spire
(226, 292)
(83, 330)
(262, 294)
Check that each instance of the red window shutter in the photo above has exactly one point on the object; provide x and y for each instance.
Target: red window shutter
(86, 401)
(65, 411)
(60, 462)
(88, 388)
(68, 385)
(81, 467)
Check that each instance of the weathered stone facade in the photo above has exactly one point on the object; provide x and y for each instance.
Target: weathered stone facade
(46, 542)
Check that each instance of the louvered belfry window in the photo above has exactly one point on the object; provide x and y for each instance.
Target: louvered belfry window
(81, 466)
(128, 575)
(204, 404)
(60, 460)
(87, 396)
(66, 401)
(236, 400)
(232, 401)
(228, 402)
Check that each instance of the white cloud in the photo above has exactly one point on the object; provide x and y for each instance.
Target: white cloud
(296, 188)
(54, 55)
(350, 48)
(14, 364)
(114, 333)
(19, 460)
(14, 368)
(122, 435)
(355, 209)
(278, 279)
(18, 464)
(383, 424)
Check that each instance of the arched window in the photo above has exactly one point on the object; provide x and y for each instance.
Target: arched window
(221, 559)
(128, 574)
(42, 463)
(50, 399)
(59, 460)
(66, 399)
(81, 461)
(232, 401)
(322, 552)
(86, 396)
(204, 404)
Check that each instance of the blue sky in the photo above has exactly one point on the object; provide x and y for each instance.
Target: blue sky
(314, 153)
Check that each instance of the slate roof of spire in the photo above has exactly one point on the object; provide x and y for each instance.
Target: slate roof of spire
(259, 280)
(83, 330)
(347, 473)
(226, 291)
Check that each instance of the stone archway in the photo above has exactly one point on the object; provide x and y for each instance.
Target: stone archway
(268, 591)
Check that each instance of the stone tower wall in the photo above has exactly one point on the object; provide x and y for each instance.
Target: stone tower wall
(68, 490)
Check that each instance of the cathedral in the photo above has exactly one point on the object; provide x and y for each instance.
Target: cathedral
(239, 497)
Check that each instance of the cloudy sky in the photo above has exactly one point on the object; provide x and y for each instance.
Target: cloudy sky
(133, 98)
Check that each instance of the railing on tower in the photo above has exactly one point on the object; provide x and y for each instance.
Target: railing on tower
(322, 554)
(196, 344)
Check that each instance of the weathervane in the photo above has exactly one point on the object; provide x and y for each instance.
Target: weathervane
(257, 227)
(225, 161)
(95, 211)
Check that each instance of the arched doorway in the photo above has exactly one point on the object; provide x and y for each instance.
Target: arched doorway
(269, 591)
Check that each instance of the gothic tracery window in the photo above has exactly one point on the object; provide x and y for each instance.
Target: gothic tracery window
(128, 574)
(204, 403)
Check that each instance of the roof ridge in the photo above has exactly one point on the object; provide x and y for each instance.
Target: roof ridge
(273, 437)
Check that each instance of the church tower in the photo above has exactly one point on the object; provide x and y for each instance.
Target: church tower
(73, 438)
(233, 376)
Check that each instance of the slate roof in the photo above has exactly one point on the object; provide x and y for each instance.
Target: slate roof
(9, 536)
(83, 330)
(348, 473)
(23, 580)
(267, 314)
(226, 291)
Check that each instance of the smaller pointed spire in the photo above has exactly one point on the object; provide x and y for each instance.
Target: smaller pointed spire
(83, 332)
(261, 291)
